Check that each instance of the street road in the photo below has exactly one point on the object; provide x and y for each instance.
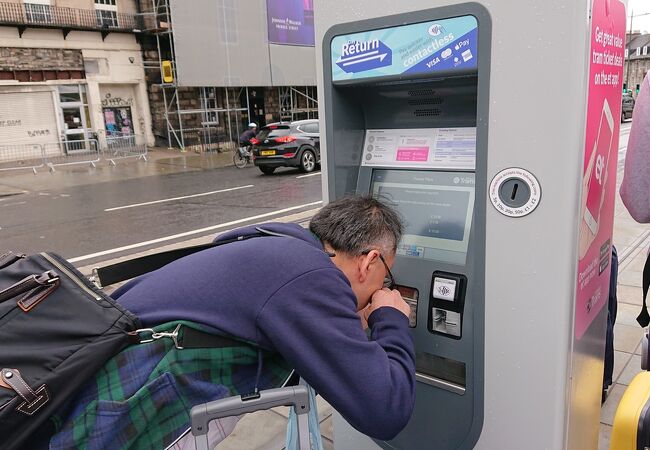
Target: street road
(79, 220)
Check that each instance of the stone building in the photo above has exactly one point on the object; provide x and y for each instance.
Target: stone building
(637, 60)
(71, 70)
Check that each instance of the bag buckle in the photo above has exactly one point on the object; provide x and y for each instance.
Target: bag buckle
(150, 335)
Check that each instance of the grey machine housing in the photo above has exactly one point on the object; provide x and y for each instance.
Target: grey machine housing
(450, 369)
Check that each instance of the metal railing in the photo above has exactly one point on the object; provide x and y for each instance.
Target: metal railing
(129, 146)
(47, 16)
(69, 152)
(21, 157)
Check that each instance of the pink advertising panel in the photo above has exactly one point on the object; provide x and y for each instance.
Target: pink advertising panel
(601, 157)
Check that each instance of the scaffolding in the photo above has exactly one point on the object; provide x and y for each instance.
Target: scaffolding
(298, 103)
(221, 112)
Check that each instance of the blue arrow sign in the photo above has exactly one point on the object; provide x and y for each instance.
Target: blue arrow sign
(361, 56)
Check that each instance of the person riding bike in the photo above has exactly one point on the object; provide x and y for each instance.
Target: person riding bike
(244, 153)
(246, 136)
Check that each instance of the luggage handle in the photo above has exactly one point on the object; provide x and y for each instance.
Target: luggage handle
(295, 396)
(29, 283)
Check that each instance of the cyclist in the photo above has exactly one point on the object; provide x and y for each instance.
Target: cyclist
(246, 136)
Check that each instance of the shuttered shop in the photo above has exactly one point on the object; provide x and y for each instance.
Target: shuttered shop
(26, 118)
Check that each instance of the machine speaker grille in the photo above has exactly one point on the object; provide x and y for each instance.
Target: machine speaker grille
(421, 92)
(425, 101)
(427, 112)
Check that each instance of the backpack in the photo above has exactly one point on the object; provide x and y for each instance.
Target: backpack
(58, 329)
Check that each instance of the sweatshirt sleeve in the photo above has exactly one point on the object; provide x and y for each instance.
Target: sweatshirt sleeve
(635, 187)
(313, 322)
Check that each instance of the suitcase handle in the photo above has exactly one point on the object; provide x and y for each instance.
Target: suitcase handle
(295, 396)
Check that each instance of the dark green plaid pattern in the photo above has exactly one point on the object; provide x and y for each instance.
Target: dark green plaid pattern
(142, 397)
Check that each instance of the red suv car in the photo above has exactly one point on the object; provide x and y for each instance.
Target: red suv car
(282, 144)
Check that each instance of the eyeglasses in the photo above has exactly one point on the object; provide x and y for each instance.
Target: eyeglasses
(389, 280)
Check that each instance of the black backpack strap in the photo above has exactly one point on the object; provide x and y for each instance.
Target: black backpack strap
(193, 338)
(644, 317)
(125, 270)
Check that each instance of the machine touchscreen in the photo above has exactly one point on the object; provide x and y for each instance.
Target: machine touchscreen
(437, 209)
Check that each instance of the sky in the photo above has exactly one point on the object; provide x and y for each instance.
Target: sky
(641, 23)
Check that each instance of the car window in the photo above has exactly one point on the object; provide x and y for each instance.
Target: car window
(309, 128)
(273, 131)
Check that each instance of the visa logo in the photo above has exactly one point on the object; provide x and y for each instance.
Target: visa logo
(359, 56)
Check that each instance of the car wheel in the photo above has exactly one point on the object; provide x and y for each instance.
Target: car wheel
(267, 170)
(307, 161)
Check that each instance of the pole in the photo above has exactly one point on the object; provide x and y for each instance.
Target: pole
(629, 53)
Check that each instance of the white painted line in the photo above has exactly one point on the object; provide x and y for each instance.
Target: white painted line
(14, 204)
(309, 175)
(135, 205)
(190, 233)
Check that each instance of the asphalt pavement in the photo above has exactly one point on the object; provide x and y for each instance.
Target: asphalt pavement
(94, 213)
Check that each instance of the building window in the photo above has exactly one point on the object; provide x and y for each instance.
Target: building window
(645, 50)
(106, 12)
(38, 11)
(638, 51)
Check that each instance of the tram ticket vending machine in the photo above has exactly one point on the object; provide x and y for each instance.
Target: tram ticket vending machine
(417, 110)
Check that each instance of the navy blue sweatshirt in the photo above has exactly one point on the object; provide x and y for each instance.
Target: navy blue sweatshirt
(286, 295)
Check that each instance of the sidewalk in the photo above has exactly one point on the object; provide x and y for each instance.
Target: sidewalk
(159, 161)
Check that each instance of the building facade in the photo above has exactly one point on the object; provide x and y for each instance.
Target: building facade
(71, 70)
(637, 60)
(231, 63)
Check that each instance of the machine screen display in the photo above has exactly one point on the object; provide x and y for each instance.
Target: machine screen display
(437, 210)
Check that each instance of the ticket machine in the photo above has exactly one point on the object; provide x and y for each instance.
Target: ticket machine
(460, 116)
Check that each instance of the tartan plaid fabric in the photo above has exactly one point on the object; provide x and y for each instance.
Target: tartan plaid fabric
(141, 399)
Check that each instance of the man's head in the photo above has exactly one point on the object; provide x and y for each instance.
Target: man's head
(252, 125)
(363, 234)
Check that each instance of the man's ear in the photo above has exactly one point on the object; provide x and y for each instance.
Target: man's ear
(363, 265)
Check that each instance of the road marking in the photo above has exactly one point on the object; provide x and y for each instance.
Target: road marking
(190, 233)
(14, 204)
(135, 205)
(309, 175)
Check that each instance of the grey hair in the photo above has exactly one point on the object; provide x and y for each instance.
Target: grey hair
(356, 223)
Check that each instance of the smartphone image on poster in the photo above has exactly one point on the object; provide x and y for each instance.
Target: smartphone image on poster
(602, 148)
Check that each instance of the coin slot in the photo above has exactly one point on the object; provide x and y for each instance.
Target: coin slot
(514, 191)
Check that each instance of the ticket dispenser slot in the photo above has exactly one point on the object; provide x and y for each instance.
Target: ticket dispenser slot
(406, 115)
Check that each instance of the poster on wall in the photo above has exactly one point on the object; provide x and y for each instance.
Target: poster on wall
(600, 160)
(291, 22)
(118, 122)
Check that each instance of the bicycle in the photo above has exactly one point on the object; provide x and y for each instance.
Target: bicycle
(243, 156)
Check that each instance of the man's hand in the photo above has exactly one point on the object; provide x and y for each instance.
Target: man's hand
(387, 298)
